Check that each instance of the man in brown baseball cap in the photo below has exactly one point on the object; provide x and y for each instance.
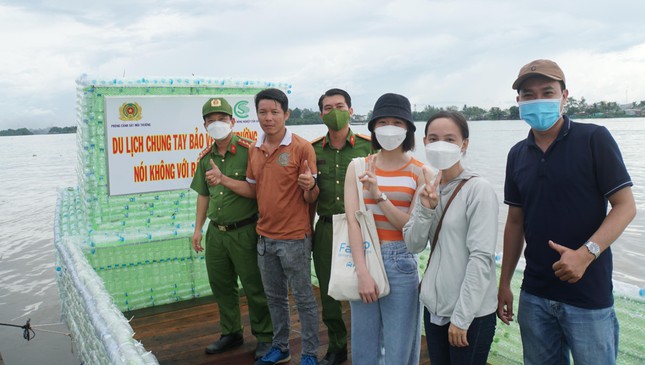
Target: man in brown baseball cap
(546, 68)
(559, 181)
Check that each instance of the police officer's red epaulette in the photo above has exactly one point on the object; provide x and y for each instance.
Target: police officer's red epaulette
(364, 136)
(204, 152)
(317, 140)
(245, 142)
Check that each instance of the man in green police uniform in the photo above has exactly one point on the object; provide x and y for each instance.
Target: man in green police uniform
(334, 151)
(231, 238)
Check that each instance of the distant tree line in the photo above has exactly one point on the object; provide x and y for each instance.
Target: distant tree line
(16, 132)
(63, 130)
(27, 132)
(471, 112)
(605, 109)
(304, 116)
(575, 108)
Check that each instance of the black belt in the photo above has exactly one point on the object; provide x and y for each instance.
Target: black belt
(236, 225)
(326, 218)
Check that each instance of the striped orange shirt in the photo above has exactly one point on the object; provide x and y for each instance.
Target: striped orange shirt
(399, 186)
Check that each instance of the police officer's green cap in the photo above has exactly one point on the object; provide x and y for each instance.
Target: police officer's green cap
(217, 105)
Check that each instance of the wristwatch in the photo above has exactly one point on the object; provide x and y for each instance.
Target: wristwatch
(593, 248)
(381, 198)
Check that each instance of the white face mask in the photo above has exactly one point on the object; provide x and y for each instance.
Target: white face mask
(219, 130)
(390, 137)
(443, 155)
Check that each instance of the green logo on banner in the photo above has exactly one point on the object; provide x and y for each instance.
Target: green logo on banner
(241, 109)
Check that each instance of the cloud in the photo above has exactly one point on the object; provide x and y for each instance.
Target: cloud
(439, 52)
(612, 76)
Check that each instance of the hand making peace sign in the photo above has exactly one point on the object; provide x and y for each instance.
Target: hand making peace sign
(429, 196)
(368, 179)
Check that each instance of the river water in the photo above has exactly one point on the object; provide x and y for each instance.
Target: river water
(34, 168)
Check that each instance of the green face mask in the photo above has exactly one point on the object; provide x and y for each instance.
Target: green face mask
(336, 119)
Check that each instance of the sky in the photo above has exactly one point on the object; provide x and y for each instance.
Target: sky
(441, 53)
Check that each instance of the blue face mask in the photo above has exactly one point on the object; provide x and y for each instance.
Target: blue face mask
(540, 114)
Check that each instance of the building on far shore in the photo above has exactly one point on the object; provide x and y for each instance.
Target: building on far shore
(358, 119)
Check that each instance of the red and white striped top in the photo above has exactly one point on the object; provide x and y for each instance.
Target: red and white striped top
(399, 186)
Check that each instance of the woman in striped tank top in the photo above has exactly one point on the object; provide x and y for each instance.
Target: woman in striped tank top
(387, 330)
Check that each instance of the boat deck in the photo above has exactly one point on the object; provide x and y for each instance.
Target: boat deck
(178, 333)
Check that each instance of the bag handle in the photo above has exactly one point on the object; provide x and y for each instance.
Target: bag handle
(433, 244)
(359, 167)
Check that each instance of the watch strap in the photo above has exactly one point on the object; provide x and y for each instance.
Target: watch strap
(593, 249)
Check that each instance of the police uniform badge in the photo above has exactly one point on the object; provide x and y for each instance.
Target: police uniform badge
(246, 143)
(204, 152)
(321, 138)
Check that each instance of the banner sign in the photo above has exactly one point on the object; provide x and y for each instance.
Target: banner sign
(153, 141)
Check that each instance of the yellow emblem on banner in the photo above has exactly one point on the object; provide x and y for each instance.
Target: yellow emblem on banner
(130, 112)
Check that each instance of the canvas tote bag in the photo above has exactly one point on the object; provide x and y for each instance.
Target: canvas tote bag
(343, 282)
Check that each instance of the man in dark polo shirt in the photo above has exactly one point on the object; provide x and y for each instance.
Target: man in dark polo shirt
(558, 183)
(334, 151)
(231, 238)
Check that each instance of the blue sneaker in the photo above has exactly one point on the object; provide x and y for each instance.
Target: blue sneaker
(308, 360)
(274, 356)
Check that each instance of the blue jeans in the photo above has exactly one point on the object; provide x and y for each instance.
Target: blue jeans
(480, 337)
(286, 263)
(552, 330)
(388, 332)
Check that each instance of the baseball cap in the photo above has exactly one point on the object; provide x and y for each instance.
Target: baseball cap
(217, 105)
(545, 68)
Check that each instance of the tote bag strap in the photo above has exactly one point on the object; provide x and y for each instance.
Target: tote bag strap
(433, 244)
(359, 167)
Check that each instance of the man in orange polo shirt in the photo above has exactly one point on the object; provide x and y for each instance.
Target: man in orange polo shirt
(281, 174)
(281, 171)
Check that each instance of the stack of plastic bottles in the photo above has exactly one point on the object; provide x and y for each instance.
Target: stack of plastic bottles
(99, 331)
(139, 244)
(121, 253)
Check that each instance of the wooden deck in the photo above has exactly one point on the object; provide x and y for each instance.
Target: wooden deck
(178, 333)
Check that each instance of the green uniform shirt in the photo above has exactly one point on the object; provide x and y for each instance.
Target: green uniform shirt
(332, 166)
(225, 207)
